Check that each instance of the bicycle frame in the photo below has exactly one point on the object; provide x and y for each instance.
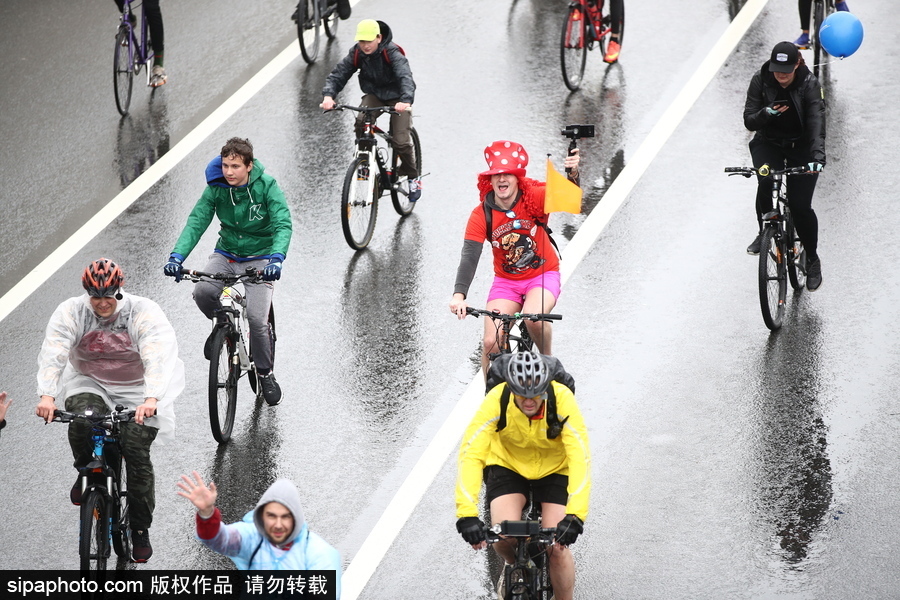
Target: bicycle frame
(527, 578)
(232, 306)
(590, 23)
(143, 57)
(524, 342)
(367, 145)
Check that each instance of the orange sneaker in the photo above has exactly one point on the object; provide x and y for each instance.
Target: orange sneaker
(612, 52)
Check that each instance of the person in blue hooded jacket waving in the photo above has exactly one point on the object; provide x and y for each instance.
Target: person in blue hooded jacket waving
(273, 536)
(255, 232)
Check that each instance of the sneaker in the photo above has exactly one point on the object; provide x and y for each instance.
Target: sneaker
(753, 248)
(612, 52)
(270, 389)
(343, 9)
(75, 492)
(158, 76)
(841, 6)
(141, 550)
(814, 275)
(802, 41)
(415, 189)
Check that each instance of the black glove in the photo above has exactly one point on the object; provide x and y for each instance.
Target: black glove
(472, 529)
(173, 267)
(568, 529)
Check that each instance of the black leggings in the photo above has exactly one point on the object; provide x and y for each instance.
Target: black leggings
(154, 23)
(616, 16)
(800, 190)
(805, 7)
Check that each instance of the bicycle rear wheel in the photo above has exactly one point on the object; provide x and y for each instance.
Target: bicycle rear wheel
(772, 279)
(308, 25)
(123, 72)
(359, 202)
(330, 20)
(224, 371)
(573, 47)
(121, 524)
(93, 545)
(796, 263)
(818, 52)
(401, 201)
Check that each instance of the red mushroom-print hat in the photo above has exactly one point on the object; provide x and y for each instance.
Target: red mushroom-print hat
(505, 157)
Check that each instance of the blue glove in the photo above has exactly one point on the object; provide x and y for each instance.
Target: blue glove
(568, 530)
(816, 167)
(272, 272)
(173, 267)
(772, 112)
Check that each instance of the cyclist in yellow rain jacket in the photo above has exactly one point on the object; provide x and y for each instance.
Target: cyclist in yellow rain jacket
(525, 447)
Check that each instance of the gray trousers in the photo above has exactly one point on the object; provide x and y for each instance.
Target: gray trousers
(259, 301)
(400, 125)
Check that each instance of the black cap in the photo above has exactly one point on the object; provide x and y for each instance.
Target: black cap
(784, 56)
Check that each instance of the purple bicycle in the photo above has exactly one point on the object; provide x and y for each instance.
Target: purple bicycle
(132, 53)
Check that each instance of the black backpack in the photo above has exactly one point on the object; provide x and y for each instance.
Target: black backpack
(497, 375)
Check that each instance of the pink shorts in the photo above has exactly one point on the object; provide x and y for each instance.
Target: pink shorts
(515, 289)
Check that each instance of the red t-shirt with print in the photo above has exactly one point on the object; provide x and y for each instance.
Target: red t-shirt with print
(522, 248)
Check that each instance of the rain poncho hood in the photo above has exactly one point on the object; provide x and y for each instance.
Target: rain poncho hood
(285, 493)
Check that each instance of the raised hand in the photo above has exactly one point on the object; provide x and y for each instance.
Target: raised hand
(200, 495)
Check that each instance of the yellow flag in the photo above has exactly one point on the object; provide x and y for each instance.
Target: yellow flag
(561, 194)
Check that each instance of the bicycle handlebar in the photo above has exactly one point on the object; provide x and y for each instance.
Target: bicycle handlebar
(497, 315)
(766, 170)
(120, 415)
(520, 530)
(251, 275)
(367, 109)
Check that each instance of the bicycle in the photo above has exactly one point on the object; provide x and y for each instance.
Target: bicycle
(528, 578)
(820, 9)
(781, 254)
(104, 490)
(584, 25)
(131, 54)
(310, 16)
(362, 189)
(505, 323)
(230, 356)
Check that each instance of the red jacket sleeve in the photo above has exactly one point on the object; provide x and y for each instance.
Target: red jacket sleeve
(208, 528)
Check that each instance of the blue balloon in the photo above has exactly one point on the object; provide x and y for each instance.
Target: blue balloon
(841, 34)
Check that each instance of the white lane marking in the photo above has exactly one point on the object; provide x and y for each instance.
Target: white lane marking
(379, 540)
(78, 240)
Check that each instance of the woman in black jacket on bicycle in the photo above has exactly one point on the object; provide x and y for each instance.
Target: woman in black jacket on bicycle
(786, 108)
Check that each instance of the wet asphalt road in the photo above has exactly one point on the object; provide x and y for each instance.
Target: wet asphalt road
(727, 462)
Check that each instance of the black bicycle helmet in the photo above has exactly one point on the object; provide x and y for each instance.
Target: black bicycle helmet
(527, 375)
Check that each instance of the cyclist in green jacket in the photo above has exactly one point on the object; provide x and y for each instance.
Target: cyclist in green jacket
(255, 232)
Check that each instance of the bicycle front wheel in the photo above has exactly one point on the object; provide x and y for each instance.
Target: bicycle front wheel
(573, 48)
(359, 202)
(123, 73)
(796, 260)
(308, 25)
(330, 20)
(401, 201)
(224, 371)
(772, 279)
(818, 52)
(93, 544)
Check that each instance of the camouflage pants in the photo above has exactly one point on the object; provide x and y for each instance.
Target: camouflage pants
(136, 440)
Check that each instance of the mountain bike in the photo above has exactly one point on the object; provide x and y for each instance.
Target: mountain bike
(104, 490)
(131, 54)
(230, 356)
(820, 9)
(310, 16)
(584, 27)
(508, 341)
(781, 254)
(528, 578)
(363, 185)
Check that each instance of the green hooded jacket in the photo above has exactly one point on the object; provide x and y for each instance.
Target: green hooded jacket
(255, 220)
